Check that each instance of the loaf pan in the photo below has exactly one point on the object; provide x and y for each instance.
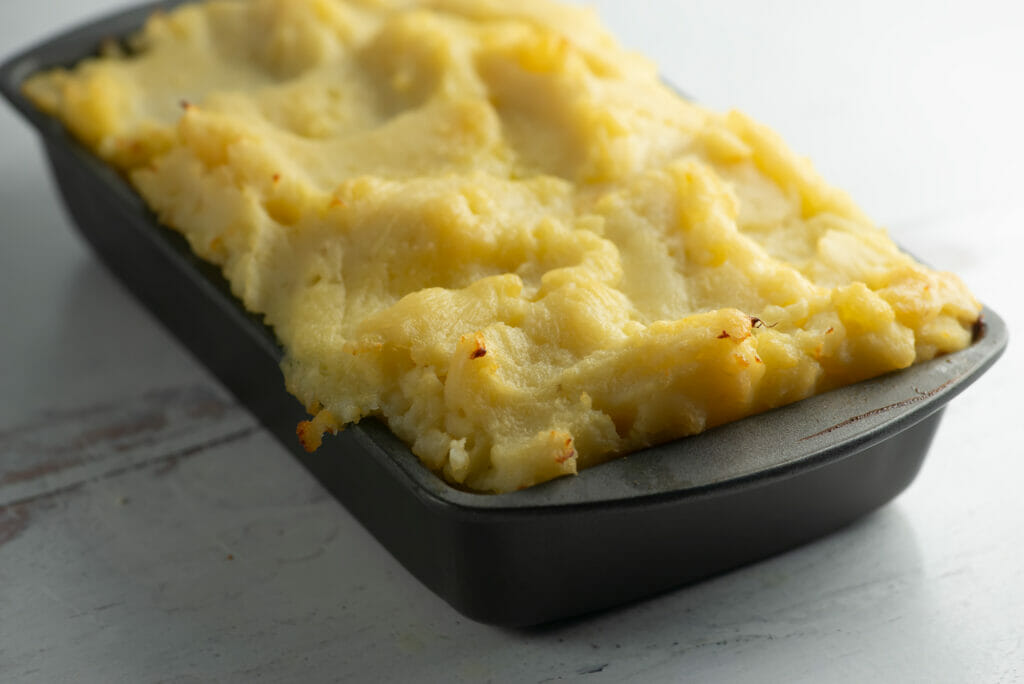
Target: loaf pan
(638, 525)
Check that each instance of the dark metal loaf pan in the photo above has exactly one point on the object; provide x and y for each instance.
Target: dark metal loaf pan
(642, 524)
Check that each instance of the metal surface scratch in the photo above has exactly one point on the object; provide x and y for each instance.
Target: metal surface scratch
(920, 396)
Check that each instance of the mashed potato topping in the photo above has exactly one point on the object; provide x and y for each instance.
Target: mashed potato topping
(490, 225)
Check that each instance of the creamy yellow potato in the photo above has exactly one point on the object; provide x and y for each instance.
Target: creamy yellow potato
(490, 225)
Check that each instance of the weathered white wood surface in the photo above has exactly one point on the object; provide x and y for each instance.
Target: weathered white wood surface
(150, 530)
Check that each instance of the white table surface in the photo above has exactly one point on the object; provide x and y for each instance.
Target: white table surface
(145, 539)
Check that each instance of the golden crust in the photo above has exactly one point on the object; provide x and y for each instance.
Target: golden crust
(490, 225)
